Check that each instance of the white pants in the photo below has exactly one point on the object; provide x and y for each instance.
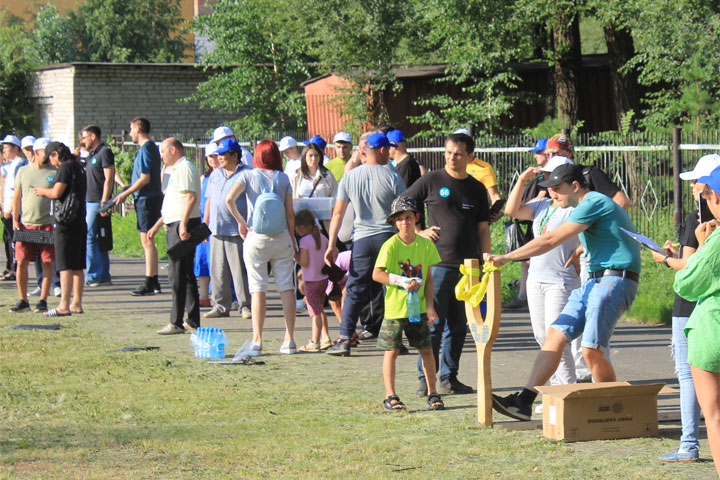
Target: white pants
(545, 302)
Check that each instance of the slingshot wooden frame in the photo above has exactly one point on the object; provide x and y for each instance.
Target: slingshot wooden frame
(484, 333)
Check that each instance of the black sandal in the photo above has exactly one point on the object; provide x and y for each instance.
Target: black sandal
(393, 407)
(432, 399)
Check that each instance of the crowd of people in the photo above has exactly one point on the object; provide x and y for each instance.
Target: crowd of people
(380, 238)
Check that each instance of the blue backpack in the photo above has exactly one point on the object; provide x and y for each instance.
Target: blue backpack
(268, 215)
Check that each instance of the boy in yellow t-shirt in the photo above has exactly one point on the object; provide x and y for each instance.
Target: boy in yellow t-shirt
(403, 264)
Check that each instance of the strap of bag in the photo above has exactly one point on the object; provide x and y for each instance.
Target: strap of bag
(315, 185)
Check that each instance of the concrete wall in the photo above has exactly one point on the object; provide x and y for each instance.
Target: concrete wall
(70, 96)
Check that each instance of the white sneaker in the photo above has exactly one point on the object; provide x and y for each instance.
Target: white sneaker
(245, 312)
(538, 409)
(288, 348)
(57, 291)
(300, 306)
(35, 292)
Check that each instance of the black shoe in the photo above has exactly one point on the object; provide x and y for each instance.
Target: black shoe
(340, 349)
(41, 306)
(367, 335)
(21, 306)
(422, 389)
(512, 407)
(142, 291)
(156, 287)
(404, 350)
(453, 385)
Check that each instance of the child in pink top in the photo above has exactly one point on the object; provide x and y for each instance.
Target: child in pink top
(312, 258)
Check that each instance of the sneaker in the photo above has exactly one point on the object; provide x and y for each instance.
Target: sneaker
(288, 348)
(98, 283)
(41, 306)
(234, 305)
(21, 306)
(422, 389)
(57, 291)
(215, 313)
(156, 287)
(680, 456)
(188, 327)
(300, 306)
(35, 292)
(142, 291)
(246, 313)
(453, 385)
(340, 349)
(517, 303)
(171, 329)
(367, 335)
(512, 407)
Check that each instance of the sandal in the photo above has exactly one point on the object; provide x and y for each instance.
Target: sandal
(77, 312)
(310, 347)
(255, 350)
(393, 403)
(354, 340)
(327, 343)
(53, 312)
(434, 402)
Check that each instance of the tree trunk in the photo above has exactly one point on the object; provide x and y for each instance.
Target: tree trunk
(568, 66)
(621, 49)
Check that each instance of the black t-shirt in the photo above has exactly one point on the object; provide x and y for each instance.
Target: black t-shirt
(532, 188)
(599, 182)
(102, 157)
(71, 173)
(456, 206)
(409, 170)
(682, 307)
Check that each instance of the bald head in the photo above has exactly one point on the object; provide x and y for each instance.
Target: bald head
(171, 150)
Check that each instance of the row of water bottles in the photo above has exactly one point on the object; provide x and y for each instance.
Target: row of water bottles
(208, 342)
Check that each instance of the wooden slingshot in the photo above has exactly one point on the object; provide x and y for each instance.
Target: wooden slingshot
(484, 333)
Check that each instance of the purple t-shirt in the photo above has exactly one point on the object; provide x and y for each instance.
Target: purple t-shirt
(316, 258)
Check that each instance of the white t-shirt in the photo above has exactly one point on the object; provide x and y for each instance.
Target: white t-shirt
(292, 166)
(550, 266)
(8, 171)
(184, 178)
(305, 186)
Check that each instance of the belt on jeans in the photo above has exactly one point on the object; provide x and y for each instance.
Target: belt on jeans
(629, 274)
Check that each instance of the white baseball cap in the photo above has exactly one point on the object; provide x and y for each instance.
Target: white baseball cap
(704, 166)
(11, 139)
(210, 149)
(342, 137)
(555, 162)
(27, 141)
(464, 131)
(287, 142)
(221, 132)
(41, 143)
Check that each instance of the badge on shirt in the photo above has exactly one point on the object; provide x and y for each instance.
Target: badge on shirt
(444, 192)
(50, 179)
(93, 161)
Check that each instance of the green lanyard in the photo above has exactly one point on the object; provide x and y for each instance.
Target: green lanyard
(546, 218)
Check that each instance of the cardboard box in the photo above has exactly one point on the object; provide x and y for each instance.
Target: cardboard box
(599, 411)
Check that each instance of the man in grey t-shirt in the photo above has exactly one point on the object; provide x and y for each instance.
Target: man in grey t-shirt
(370, 189)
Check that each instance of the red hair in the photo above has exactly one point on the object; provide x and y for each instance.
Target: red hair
(267, 156)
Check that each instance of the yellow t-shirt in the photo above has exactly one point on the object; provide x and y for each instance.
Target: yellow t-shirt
(337, 167)
(482, 172)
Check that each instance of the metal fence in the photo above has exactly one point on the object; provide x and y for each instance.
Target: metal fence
(641, 164)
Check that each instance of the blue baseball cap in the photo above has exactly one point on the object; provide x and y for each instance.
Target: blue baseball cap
(712, 180)
(319, 141)
(396, 136)
(378, 140)
(539, 145)
(227, 145)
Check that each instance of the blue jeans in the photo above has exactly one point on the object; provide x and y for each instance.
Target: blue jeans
(452, 327)
(594, 309)
(358, 290)
(98, 263)
(689, 408)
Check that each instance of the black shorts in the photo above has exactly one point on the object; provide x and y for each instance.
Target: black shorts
(70, 246)
(147, 211)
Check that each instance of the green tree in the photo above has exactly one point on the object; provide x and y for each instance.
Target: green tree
(16, 115)
(264, 47)
(53, 37)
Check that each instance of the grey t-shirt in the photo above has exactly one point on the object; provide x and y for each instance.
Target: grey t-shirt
(253, 188)
(550, 266)
(370, 189)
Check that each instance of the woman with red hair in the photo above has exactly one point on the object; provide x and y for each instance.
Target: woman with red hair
(267, 189)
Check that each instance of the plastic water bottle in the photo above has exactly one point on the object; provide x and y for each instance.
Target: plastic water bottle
(205, 343)
(195, 343)
(221, 344)
(413, 306)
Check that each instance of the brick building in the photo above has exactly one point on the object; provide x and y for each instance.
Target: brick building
(67, 97)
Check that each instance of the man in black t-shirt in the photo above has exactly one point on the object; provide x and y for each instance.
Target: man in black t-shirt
(405, 164)
(100, 172)
(458, 219)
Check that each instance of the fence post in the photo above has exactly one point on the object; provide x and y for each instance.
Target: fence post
(677, 183)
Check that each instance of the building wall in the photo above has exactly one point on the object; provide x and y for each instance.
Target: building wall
(71, 96)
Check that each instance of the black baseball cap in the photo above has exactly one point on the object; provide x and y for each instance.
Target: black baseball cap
(567, 173)
(401, 205)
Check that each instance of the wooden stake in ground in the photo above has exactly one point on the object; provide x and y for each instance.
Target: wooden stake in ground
(484, 333)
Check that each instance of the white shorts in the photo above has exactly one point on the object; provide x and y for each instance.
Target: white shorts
(258, 251)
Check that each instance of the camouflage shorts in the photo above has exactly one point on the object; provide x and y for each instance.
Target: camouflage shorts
(418, 334)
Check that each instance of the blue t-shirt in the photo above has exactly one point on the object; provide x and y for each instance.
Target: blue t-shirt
(221, 222)
(148, 161)
(604, 242)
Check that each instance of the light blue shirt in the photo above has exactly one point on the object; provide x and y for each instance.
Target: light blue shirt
(604, 242)
(218, 187)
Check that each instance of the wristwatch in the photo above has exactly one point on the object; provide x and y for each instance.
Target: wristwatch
(666, 262)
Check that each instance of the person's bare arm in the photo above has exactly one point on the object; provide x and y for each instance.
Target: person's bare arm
(233, 195)
(494, 193)
(539, 245)
(108, 184)
(432, 315)
(53, 193)
(514, 206)
(335, 222)
(621, 199)
(206, 212)
(290, 219)
(140, 183)
(484, 236)
(303, 258)
(190, 201)
(155, 228)
(16, 205)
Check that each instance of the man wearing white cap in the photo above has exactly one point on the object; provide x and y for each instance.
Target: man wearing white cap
(343, 150)
(13, 162)
(288, 146)
(221, 133)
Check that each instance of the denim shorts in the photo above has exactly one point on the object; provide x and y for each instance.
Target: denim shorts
(594, 309)
(148, 212)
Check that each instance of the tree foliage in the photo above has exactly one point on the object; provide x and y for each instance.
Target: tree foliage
(15, 110)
